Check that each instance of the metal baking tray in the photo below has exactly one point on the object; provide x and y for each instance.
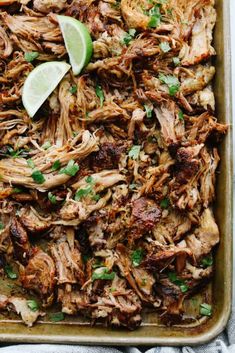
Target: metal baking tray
(152, 332)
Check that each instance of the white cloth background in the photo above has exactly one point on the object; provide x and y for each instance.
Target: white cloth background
(225, 343)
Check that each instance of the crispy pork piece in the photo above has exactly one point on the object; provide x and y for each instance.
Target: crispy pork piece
(145, 214)
(39, 275)
(32, 221)
(20, 241)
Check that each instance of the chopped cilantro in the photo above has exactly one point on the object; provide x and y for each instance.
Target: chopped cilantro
(16, 154)
(129, 36)
(181, 115)
(30, 163)
(96, 197)
(71, 169)
(38, 177)
(1, 226)
(100, 94)
(148, 110)
(176, 61)
(89, 179)
(17, 190)
(172, 82)
(73, 89)
(155, 16)
(134, 152)
(178, 281)
(82, 193)
(31, 56)
(102, 273)
(32, 304)
(207, 261)
(56, 165)
(165, 203)
(165, 47)
(57, 317)
(9, 272)
(52, 198)
(205, 309)
(46, 145)
(137, 256)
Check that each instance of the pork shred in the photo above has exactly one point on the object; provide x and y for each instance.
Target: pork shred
(119, 216)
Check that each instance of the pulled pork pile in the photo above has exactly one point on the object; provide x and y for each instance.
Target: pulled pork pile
(116, 171)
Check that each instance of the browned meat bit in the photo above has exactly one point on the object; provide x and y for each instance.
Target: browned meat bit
(107, 157)
(20, 241)
(39, 275)
(46, 6)
(32, 221)
(5, 44)
(145, 214)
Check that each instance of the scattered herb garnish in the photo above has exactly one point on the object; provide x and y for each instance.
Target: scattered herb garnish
(165, 47)
(73, 89)
(205, 309)
(71, 169)
(207, 261)
(178, 281)
(99, 92)
(17, 191)
(32, 304)
(129, 36)
(55, 317)
(165, 203)
(148, 110)
(181, 115)
(1, 226)
(97, 264)
(9, 272)
(102, 273)
(30, 163)
(38, 177)
(17, 153)
(52, 198)
(56, 165)
(46, 145)
(31, 56)
(137, 256)
(82, 193)
(176, 61)
(134, 152)
(89, 179)
(172, 82)
(96, 197)
(155, 16)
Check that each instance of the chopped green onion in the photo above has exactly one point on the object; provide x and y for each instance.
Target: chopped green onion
(205, 309)
(102, 274)
(52, 198)
(207, 261)
(56, 165)
(172, 82)
(71, 169)
(32, 304)
(181, 115)
(165, 203)
(55, 317)
(73, 89)
(9, 272)
(137, 256)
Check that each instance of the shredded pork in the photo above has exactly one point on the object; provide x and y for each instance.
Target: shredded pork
(106, 194)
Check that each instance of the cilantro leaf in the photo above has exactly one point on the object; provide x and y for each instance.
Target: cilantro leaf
(9, 272)
(155, 18)
(100, 94)
(134, 152)
(137, 256)
(46, 145)
(82, 193)
(165, 47)
(178, 281)
(38, 177)
(205, 309)
(181, 115)
(55, 317)
(31, 56)
(71, 169)
(56, 165)
(102, 273)
(176, 61)
(90, 179)
(51, 198)
(164, 203)
(207, 261)
(171, 81)
(32, 304)
(73, 89)
(30, 163)
(129, 36)
(148, 110)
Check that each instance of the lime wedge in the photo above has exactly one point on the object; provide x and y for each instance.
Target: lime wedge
(40, 83)
(77, 42)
